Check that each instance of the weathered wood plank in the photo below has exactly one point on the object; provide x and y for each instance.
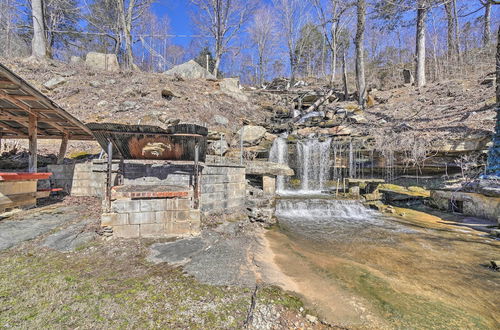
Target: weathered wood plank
(33, 145)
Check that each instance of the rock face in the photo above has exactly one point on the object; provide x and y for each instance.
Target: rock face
(268, 168)
(103, 62)
(231, 86)
(190, 70)
(76, 60)
(252, 135)
(54, 83)
(221, 120)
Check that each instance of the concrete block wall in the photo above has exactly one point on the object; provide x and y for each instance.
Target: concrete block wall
(223, 188)
(152, 218)
(79, 179)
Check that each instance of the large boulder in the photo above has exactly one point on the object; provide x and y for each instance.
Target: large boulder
(103, 62)
(251, 135)
(190, 70)
(231, 87)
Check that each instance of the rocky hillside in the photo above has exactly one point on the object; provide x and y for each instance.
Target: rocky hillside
(138, 97)
(451, 115)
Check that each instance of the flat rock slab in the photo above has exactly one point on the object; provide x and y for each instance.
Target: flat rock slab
(216, 257)
(13, 232)
(70, 238)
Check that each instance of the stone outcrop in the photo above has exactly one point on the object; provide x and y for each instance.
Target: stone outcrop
(55, 82)
(470, 203)
(268, 168)
(252, 135)
(102, 62)
(190, 70)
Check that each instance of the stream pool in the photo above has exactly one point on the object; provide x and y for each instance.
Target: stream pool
(359, 268)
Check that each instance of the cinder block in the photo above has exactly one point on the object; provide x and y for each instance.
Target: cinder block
(114, 219)
(179, 228)
(128, 231)
(141, 218)
(149, 205)
(181, 216)
(183, 204)
(126, 206)
(194, 215)
(153, 230)
(164, 216)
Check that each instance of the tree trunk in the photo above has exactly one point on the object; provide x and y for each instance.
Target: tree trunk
(360, 63)
(420, 51)
(448, 7)
(487, 24)
(498, 70)
(261, 69)
(217, 64)
(344, 76)
(39, 42)
(126, 27)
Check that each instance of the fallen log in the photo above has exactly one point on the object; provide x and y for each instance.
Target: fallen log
(316, 105)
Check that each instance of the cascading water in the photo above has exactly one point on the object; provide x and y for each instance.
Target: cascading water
(314, 164)
(328, 219)
(279, 154)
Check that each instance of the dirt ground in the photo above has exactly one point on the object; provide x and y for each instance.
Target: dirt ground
(111, 284)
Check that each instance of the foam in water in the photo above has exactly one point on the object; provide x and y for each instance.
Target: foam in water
(314, 164)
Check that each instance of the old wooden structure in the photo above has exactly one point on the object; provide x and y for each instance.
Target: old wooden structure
(26, 113)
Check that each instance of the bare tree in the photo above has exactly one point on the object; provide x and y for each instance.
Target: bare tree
(39, 41)
(360, 61)
(262, 35)
(223, 20)
(292, 16)
(420, 44)
(332, 21)
(486, 22)
(130, 12)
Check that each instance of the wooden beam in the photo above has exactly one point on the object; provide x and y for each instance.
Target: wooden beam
(25, 97)
(26, 108)
(14, 118)
(12, 129)
(62, 149)
(33, 148)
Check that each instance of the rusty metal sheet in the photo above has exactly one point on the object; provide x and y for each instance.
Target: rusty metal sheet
(176, 143)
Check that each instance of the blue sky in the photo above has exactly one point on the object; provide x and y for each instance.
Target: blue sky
(178, 12)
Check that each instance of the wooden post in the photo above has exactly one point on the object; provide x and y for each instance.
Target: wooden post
(63, 148)
(32, 135)
(196, 185)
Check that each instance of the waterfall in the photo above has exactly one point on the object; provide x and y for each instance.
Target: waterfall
(279, 154)
(323, 208)
(314, 163)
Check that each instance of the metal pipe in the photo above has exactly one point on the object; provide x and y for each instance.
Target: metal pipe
(241, 145)
(109, 176)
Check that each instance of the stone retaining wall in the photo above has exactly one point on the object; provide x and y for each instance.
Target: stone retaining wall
(222, 187)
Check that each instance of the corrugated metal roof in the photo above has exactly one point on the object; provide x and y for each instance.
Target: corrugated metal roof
(18, 99)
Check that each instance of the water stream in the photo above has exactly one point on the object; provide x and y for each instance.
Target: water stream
(363, 269)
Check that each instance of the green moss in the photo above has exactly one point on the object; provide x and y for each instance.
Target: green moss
(79, 155)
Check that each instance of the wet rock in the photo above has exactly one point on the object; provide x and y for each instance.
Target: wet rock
(55, 82)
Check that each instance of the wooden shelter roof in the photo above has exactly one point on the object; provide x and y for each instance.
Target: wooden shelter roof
(19, 100)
